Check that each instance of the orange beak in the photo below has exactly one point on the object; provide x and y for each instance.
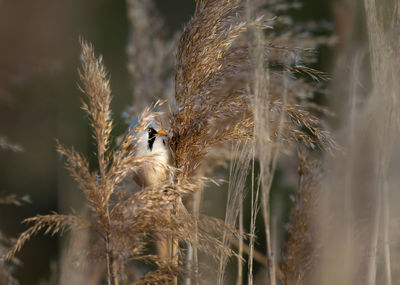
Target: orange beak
(161, 133)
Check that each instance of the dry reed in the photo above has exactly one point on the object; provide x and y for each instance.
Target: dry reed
(300, 252)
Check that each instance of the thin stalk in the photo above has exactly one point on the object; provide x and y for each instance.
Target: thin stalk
(108, 263)
(174, 255)
(386, 244)
(111, 276)
(381, 69)
(189, 262)
(386, 146)
(348, 200)
(270, 255)
(196, 213)
(380, 185)
(192, 255)
(189, 255)
(237, 181)
(254, 211)
(239, 279)
(267, 173)
(110, 255)
(372, 256)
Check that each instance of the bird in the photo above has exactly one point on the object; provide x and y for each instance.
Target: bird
(151, 143)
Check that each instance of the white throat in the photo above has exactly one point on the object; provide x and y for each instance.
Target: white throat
(153, 171)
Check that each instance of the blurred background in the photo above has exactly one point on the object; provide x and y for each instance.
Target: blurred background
(40, 101)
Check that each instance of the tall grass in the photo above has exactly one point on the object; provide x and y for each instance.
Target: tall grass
(240, 94)
(358, 240)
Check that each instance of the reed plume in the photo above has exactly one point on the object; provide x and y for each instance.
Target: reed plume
(301, 250)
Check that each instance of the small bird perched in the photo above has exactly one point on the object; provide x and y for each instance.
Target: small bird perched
(152, 144)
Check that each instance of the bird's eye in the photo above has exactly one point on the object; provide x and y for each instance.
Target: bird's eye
(149, 130)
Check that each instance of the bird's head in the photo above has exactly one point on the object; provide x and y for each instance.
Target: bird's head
(153, 135)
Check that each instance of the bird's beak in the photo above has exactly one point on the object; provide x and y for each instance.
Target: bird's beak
(161, 133)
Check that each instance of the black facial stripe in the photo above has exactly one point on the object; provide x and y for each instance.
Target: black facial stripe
(152, 137)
